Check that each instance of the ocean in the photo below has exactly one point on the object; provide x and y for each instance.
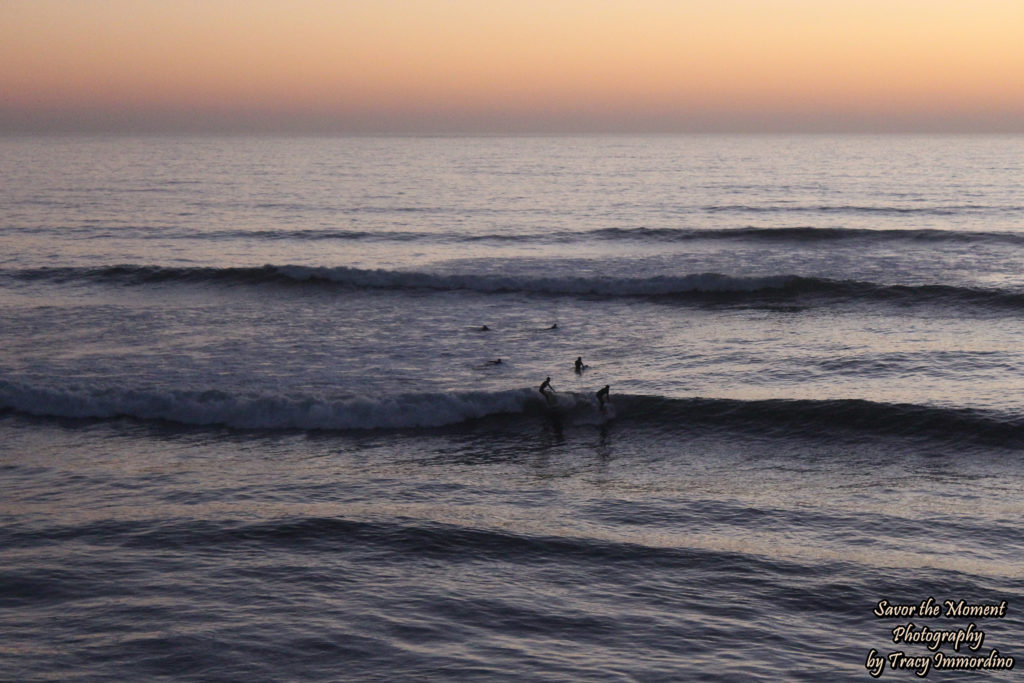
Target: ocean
(254, 426)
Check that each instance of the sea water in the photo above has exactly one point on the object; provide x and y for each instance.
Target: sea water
(253, 427)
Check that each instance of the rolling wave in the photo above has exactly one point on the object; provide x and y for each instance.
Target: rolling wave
(782, 418)
(933, 210)
(812, 234)
(797, 234)
(407, 538)
(695, 287)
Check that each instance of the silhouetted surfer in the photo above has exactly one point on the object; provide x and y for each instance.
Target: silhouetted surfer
(579, 364)
(554, 327)
(497, 361)
(545, 387)
(602, 395)
(485, 329)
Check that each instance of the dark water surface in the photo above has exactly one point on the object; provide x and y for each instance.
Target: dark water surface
(252, 429)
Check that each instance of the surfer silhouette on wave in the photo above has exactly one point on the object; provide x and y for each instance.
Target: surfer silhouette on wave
(545, 389)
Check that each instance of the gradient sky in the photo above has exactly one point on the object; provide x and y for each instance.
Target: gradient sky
(512, 66)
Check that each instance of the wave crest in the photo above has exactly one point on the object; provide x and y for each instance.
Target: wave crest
(265, 411)
(782, 418)
(695, 287)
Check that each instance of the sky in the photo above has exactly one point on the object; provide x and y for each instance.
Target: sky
(512, 66)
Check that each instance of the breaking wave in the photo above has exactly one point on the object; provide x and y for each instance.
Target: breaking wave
(783, 418)
(258, 411)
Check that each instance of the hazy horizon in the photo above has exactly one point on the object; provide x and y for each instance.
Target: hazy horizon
(398, 67)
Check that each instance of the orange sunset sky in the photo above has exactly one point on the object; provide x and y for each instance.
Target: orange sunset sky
(512, 66)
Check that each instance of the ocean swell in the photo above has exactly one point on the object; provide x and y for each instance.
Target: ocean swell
(688, 288)
(782, 418)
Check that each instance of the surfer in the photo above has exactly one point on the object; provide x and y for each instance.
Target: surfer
(494, 362)
(602, 395)
(554, 327)
(579, 364)
(485, 329)
(545, 387)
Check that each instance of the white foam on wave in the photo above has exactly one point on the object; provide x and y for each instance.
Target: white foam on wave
(265, 411)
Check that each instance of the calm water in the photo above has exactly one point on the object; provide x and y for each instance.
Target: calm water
(252, 428)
